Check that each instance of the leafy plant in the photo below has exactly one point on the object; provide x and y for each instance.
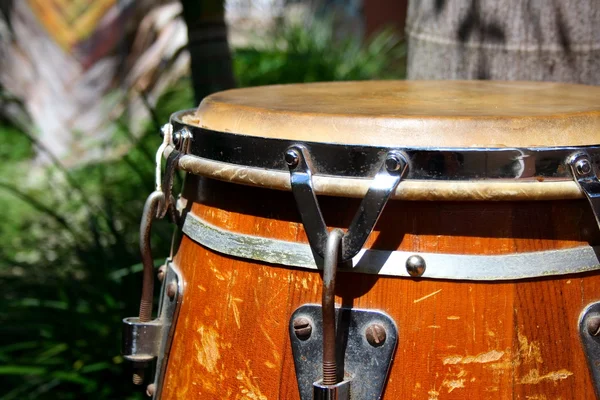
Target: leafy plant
(310, 52)
(70, 266)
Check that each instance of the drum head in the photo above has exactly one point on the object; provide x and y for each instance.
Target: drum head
(456, 114)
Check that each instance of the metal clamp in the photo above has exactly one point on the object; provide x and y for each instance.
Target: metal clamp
(142, 342)
(393, 170)
(585, 173)
(589, 332)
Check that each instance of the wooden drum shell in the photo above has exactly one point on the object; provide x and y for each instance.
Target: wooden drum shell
(514, 339)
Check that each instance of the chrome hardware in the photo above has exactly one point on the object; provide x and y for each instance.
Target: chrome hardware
(391, 263)
(339, 391)
(394, 168)
(589, 322)
(415, 266)
(145, 341)
(142, 329)
(363, 366)
(541, 165)
(586, 175)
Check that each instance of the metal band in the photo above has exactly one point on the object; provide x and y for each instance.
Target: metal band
(393, 263)
(352, 161)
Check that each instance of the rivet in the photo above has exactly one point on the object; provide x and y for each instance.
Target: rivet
(161, 273)
(583, 167)
(150, 390)
(415, 266)
(292, 158)
(302, 328)
(376, 335)
(172, 289)
(593, 325)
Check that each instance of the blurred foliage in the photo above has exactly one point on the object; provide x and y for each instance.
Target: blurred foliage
(310, 52)
(69, 265)
(69, 261)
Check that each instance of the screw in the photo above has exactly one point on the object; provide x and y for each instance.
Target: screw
(583, 167)
(138, 373)
(302, 328)
(593, 325)
(415, 266)
(393, 162)
(375, 335)
(172, 290)
(161, 273)
(292, 158)
(150, 390)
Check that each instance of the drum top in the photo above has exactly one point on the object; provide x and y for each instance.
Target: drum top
(411, 113)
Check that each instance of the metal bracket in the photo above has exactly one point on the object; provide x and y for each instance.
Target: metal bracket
(145, 341)
(365, 339)
(589, 331)
(586, 174)
(394, 168)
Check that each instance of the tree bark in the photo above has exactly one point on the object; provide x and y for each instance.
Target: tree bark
(209, 50)
(554, 40)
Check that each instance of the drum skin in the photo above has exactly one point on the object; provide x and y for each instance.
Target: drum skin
(457, 339)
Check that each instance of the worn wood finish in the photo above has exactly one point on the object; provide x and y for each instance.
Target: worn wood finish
(479, 340)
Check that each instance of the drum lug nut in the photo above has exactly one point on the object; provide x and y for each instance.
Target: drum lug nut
(172, 290)
(292, 158)
(415, 266)
(302, 328)
(593, 325)
(376, 335)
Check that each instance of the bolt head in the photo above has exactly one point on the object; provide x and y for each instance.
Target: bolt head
(150, 390)
(161, 272)
(393, 163)
(593, 325)
(302, 328)
(376, 335)
(583, 167)
(172, 289)
(415, 266)
(292, 158)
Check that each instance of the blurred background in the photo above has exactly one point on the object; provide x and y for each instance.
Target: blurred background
(86, 84)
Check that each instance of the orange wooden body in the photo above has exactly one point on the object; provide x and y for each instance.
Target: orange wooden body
(457, 339)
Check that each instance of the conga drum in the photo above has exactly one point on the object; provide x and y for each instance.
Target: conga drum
(380, 240)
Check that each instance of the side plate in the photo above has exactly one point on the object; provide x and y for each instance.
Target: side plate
(365, 365)
(589, 323)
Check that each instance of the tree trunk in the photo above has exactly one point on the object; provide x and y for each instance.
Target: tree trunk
(504, 40)
(207, 42)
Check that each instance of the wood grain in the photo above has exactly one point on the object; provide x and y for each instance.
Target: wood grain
(479, 340)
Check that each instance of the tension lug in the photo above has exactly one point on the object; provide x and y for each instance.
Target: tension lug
(585, 173)
(393, 169)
